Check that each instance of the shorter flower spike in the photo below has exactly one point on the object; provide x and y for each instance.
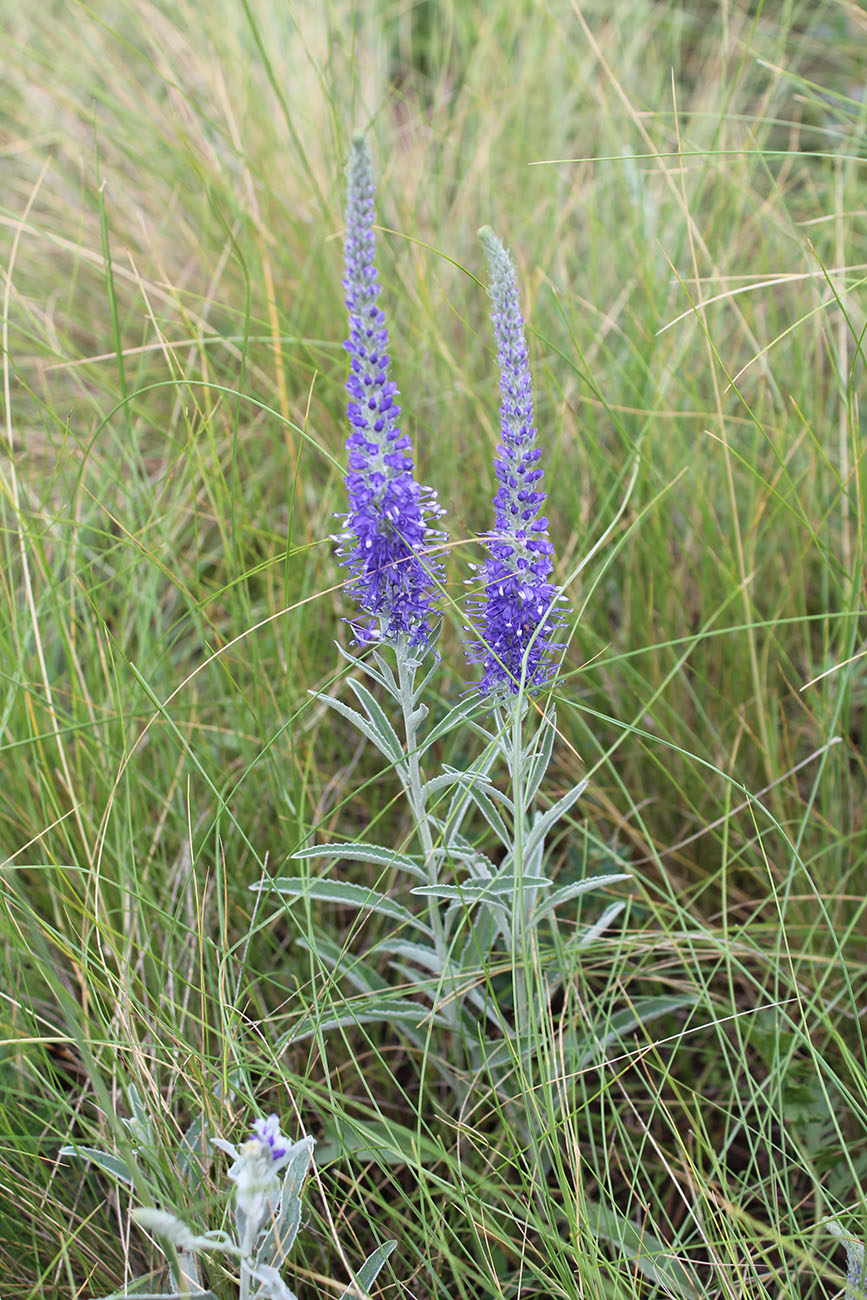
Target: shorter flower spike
(519, 612)
(387, 535)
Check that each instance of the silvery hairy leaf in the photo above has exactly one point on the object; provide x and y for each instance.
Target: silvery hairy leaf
(539, 758)
(419, 687)
(280, 1233)
(174, 1230)
(575, 890)
(376, 714)
(461, 800)
(479, 866)
(271, 1284)
(357, 972)
(483, 930)
(607, 918)
(341, 892)
(387, 679)
(381, 740)
(652, 1257)
(484, 799)
(376, 853)
(542, 822)
(140, 1289)
(345, 963)
(616, 1027)
(426, 957)
(139, 1124)
(449, 778)
(382, 674)
(367, 1274)
(108, 1163)
(429, 960)
(474, 891)
(192, 1159)
(455, 716)
(365, 1012)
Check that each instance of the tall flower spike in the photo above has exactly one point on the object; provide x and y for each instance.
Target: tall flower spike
(519, 613)
(386, 537)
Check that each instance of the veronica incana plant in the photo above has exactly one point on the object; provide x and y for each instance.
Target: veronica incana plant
(268, 1173)
(474, 900)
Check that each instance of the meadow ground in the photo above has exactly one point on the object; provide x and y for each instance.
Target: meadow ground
(682, 186)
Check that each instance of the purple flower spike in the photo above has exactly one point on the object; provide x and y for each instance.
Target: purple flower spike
(519, 614)
(386, 536)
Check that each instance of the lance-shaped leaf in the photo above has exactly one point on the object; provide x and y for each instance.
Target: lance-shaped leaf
(172, 1229)
(382, 674)
(271, 1284)
(388, 676)
(575, 890)
(341, 892)
(376, 714)
(141, 1288)
(108, 1163)
(461, 801)
(473, 891)
(452, 719)
(386, 1011)
(476, 863)
(367, 1274)
(426, 957)
(448, 779)
(623, 1022)
(539, 758)
(193, 1154)
(376, 853)
(484, 801)
(139, 1123)
(385, 1141)
(379, 738)
(345, 964)
(483, 930)
(281, 1232)
(543, 822)
(357, 972)
(598, 928)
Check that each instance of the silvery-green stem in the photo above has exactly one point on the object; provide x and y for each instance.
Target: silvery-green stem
(247, 1242)
(413, 715)
(512, 718)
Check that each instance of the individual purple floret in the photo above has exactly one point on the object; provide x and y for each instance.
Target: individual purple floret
(268, 1132)
(386, 536)
(520, 606)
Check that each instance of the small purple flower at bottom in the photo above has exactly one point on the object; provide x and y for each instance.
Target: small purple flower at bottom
(387, 536)
(268, 1132)
(519, 612)
(257, 1164)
